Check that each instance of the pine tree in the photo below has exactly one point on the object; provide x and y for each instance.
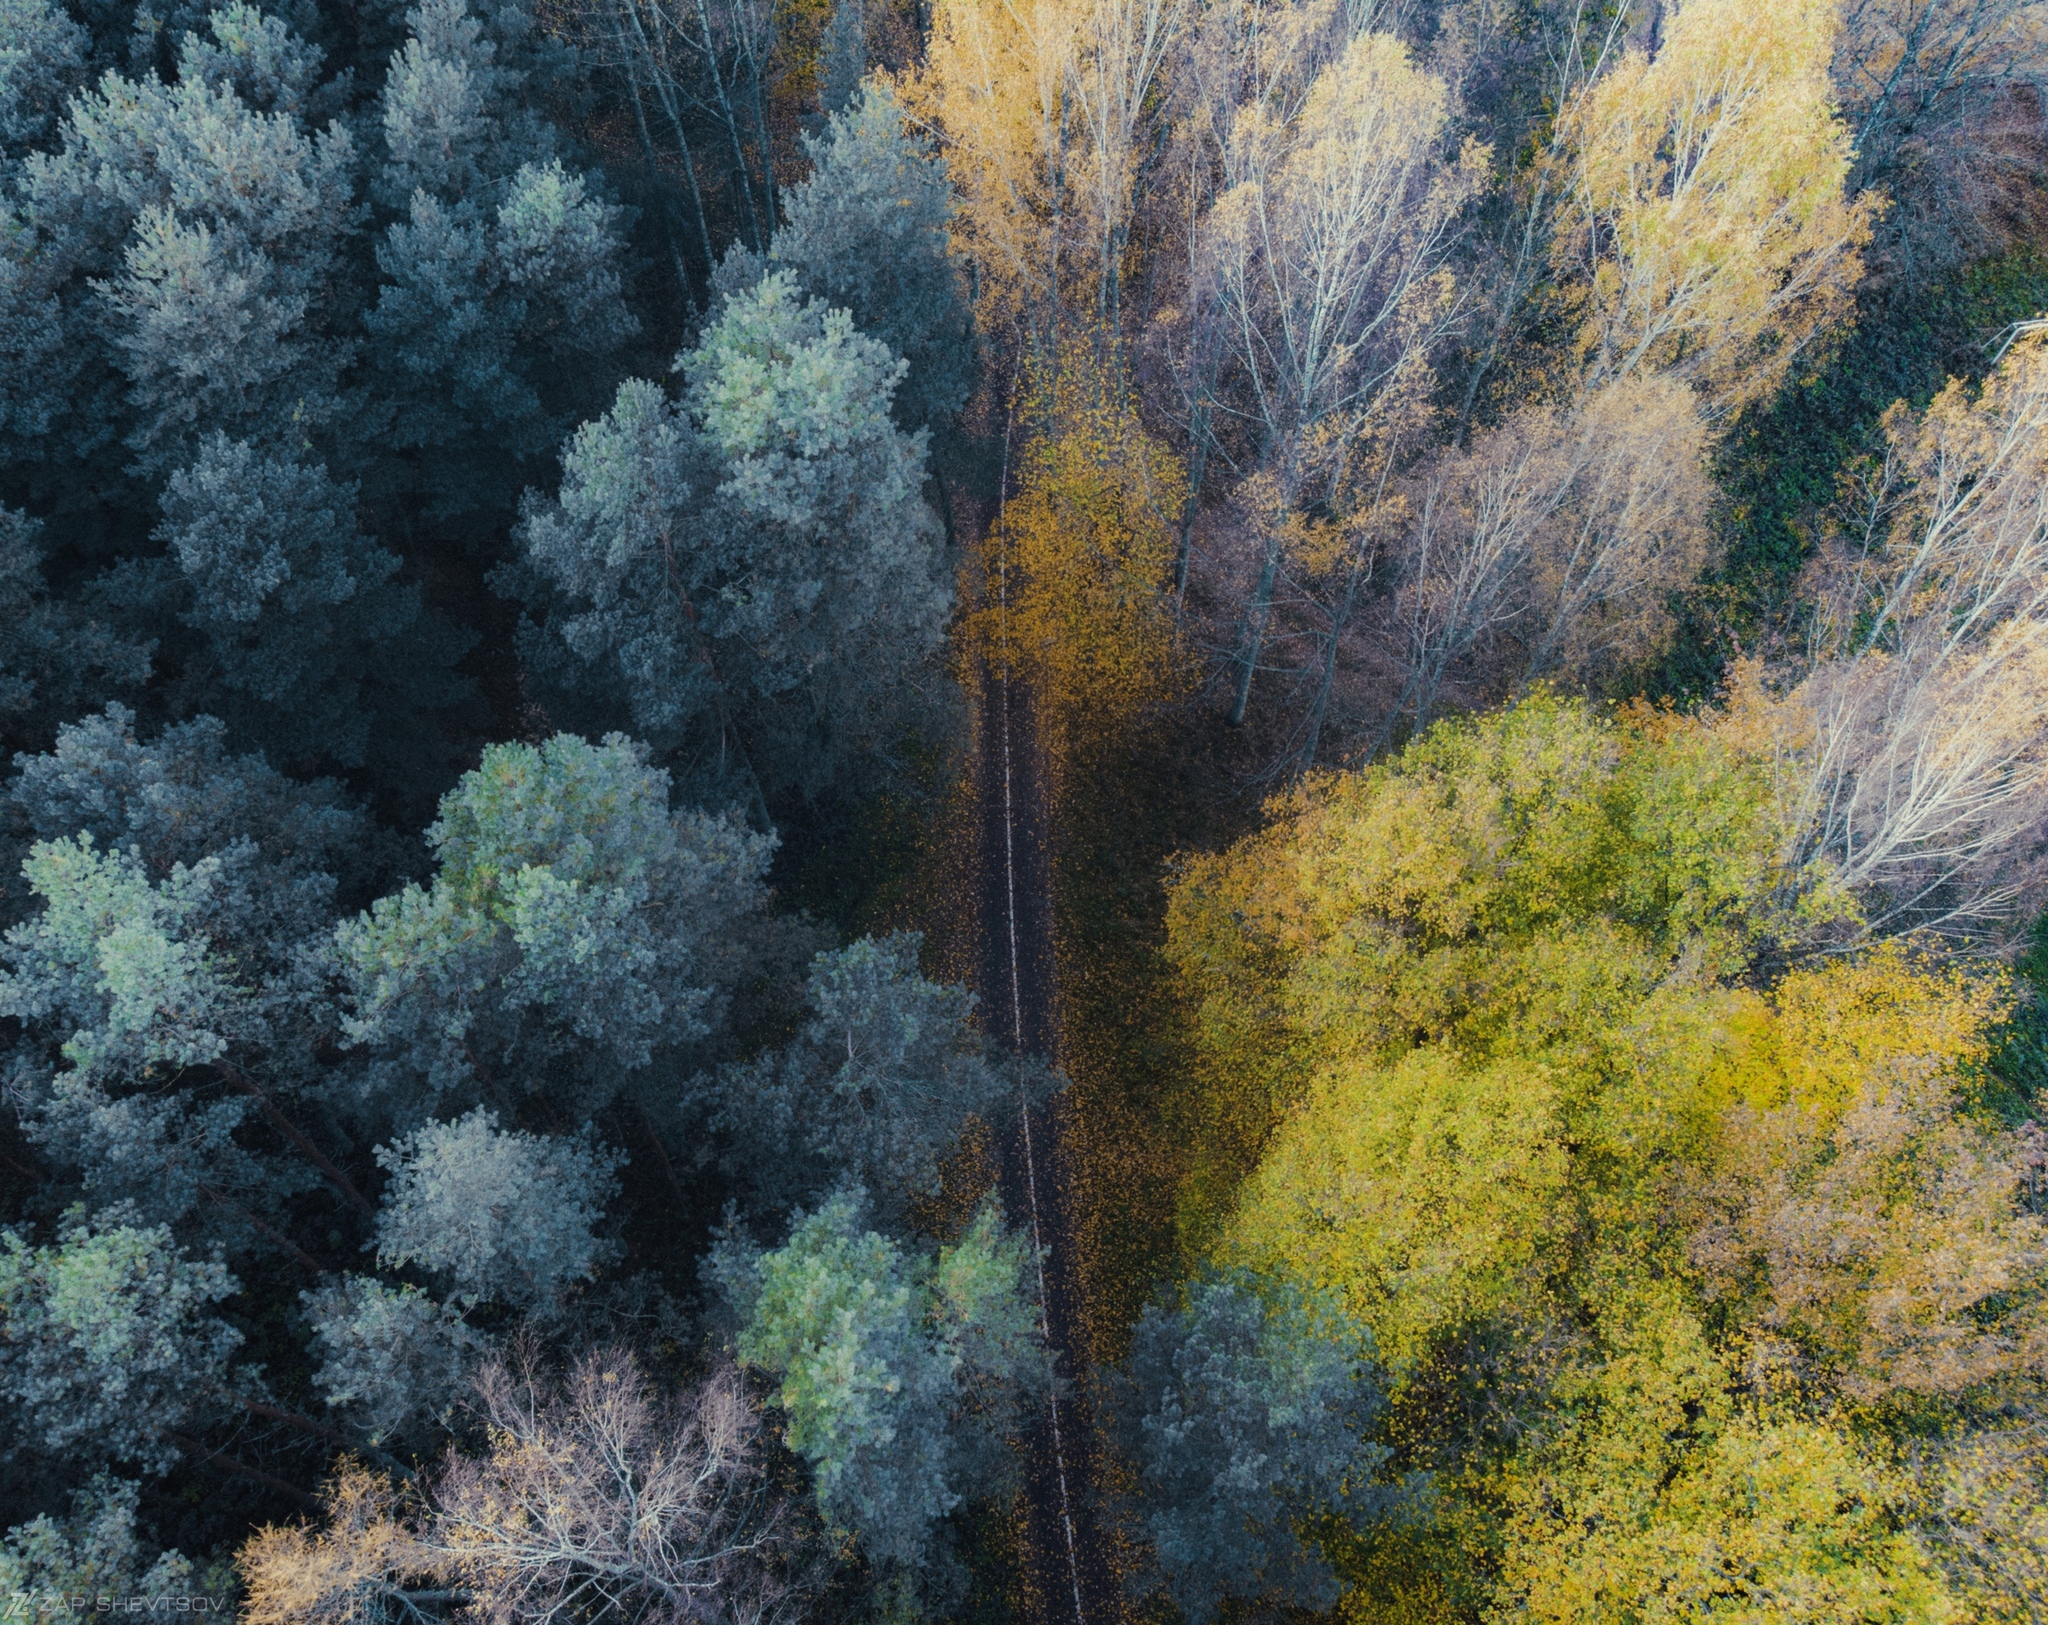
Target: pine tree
(868, 232)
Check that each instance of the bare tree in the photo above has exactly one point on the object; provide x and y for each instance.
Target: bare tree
(1477, 518)
(1945, 100)
(1573, 42)
(683, 60)
(1327, 251)
(1921, 730)
(593, 1499)
(1562, 532)
(1122, 49)
(599, 1499)
(1630, 530)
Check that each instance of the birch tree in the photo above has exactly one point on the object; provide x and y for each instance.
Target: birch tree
(1921, 731)
(1936, 94)
(1708, 231)
(1328, 251)
(1563, 531)
(996, 80)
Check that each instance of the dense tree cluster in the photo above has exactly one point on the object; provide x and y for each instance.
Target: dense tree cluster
(507, 508)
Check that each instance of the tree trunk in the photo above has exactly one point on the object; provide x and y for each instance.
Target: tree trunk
(1255, 630)
(1339, 617)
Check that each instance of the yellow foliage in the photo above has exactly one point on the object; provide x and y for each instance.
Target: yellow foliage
(1663, 1502)
(1827, 1032)
(995, 80)
(1708, 217)
(1080, 566)
(1491, 875)
(1654, 1253)
(343, 1574)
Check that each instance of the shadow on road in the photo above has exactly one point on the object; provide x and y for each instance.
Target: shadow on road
(1069, 1580)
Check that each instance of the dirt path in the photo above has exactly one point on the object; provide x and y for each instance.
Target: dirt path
(1069, 1580)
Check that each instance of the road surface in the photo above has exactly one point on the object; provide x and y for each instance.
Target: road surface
(1068, 1578)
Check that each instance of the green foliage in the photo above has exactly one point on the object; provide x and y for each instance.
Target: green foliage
(42, 59)
(575, 928)
(184, 796)
(303, 625)
(899, 1376)
(95, 1553)
(388, 1355)
(108, 1341)
(122, 961)
(1247, 1421)
(56, 659)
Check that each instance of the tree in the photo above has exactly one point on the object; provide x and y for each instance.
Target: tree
(1662, 1493)
(899, 1377)
(1326, 250)
(995, 79)
(868, 232)
(168, 977)
(1246, 1421)
(184, 797)
(605, 1493)
(1913, 744)
(56, 659)
(576, 928)
(304, 624)
(755, 574)
(1708, 229)
(1560, 533)
(499, 1215)
(93, 1553)
(366, 1564)
(876, 1091)
(388, 1356)
(1939, 98)
(108, 1341)
(117, 983)
(503, 272)
(41, 64)
(593, 1492)
(208, 230)
(1670, 1250)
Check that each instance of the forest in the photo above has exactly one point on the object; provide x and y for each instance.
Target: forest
(1491, 556)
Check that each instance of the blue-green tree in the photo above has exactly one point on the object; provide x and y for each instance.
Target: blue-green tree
(751, 574)
(876, 1089)
(575, 931)
(1247, 1417)
(868, 231)
(109, 1341)
(898, 1374)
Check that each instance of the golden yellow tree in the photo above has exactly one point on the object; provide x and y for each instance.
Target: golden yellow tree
(1079, 565)
(1707, 229)
(1044, 106)
(1662, 1255)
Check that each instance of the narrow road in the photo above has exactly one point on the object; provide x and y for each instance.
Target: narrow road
(1068, 1578)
